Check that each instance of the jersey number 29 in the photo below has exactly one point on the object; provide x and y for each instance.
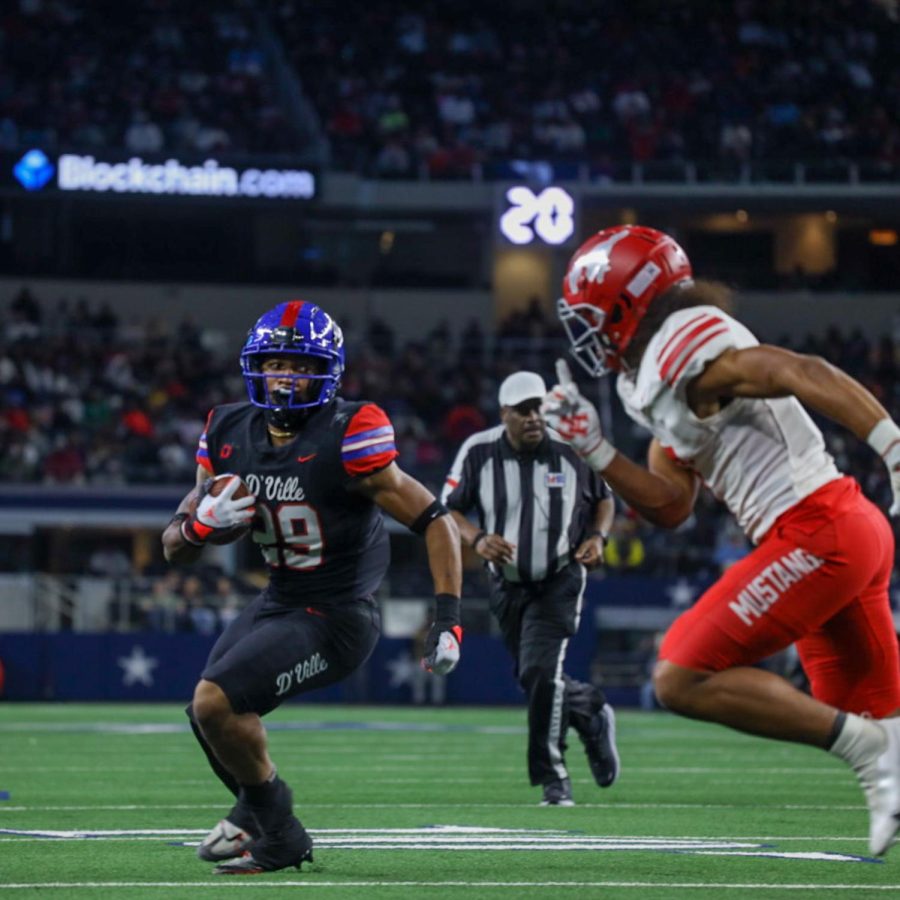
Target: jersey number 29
(291, 536)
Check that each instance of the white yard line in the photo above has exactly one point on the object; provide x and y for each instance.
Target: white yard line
(468, 838)
(390, 762)
(242, 883)
(814, 807)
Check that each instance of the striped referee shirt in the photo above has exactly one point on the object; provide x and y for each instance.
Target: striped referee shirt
(542, 500)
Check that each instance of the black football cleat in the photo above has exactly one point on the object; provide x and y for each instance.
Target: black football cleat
(278, 849)
(558, 793)
(600, 746)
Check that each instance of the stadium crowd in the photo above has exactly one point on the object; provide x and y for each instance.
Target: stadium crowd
(126, 405)
(457, 84)
(147, 77)
(198, 601)
(448, 87)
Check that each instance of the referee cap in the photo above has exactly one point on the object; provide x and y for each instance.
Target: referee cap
(522, 386)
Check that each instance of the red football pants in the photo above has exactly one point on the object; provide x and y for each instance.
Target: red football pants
(819, 579)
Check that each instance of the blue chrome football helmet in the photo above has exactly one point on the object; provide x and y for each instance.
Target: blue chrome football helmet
(301, 328)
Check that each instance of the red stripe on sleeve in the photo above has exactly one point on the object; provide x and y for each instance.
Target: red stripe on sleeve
(368, 417)
(202, 456)
(367, 465)
(682, 345)
(674, 337)
(693, 353)
(365, 419)
(291, 312)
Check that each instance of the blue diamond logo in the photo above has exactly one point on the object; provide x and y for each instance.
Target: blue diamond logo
(33, 170)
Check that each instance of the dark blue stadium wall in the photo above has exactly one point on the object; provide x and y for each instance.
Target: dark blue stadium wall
(155, 667)
(94, 667)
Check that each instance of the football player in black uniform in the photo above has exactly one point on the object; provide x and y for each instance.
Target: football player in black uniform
(320, 470)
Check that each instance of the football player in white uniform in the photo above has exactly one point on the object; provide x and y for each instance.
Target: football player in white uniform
(728, 413)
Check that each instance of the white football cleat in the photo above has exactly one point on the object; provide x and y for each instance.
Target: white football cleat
(225, 841)
(881, 782)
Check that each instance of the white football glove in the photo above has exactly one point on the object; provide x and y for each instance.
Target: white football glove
(444, 658)
(222, 511)
(892, 461)
(575, 419)
(441, 650)
(217, 513)
(885, 440)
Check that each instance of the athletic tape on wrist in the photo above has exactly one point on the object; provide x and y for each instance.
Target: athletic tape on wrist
(601, 456)
(883, 436)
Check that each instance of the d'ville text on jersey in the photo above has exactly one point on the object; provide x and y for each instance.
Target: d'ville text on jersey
(275, 487)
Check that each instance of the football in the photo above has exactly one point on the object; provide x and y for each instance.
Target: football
(222, 535)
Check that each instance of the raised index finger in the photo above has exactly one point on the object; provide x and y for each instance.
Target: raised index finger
(564, 373)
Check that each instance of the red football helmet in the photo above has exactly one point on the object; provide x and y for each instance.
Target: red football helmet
(609, 284)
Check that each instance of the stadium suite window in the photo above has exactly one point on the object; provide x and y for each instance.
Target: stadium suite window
(743, 257)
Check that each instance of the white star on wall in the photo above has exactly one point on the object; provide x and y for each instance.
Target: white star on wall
(403, 669)
(681, 594)
(138, 667)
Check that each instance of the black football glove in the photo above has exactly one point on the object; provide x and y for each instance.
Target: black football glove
(441, 651)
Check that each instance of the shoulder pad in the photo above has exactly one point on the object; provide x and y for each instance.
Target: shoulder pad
(686, 343)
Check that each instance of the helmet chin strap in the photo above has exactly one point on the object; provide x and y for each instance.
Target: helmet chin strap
(284, 421)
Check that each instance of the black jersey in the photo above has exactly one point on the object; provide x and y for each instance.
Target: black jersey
(322, 541)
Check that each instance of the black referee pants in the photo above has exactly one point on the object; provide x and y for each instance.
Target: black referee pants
(536, 620)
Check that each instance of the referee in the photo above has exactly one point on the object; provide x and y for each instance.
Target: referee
(543, 519)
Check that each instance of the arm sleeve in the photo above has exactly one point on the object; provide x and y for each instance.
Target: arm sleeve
(368, 443)
(203, 445)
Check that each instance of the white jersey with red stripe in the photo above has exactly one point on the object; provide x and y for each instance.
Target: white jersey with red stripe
(759, 456)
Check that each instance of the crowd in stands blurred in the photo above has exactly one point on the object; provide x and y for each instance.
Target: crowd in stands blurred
(401, 88)
(199, 601)
(454, 84)
(144, 77)
(126, 405)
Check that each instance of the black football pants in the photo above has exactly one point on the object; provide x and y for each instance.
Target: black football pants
(537, 620)
(274, 650)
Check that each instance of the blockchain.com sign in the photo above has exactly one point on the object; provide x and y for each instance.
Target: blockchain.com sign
(79, 173)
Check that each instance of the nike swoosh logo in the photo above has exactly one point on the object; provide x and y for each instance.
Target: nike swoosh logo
(305, 458)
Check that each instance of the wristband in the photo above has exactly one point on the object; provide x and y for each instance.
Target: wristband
(478, 537)
(193, 526)
(600, 534)
(601, 456)
(446, 608)
(883, 436)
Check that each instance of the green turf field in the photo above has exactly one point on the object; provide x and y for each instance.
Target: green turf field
(107, 802)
